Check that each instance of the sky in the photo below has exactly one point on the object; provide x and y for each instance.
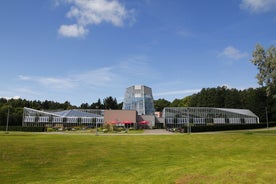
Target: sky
(83, 50)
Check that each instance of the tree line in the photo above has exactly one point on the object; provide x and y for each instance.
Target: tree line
(255, 100)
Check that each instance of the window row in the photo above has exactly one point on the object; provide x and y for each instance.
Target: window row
(46, 119)
(214, 120)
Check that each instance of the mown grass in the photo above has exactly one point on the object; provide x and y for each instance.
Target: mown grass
(196, 158)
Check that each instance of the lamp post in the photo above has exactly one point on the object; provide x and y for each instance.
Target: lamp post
(188, 129)
(266, 117)
(97, 119)
(7, 125)
(97, 126)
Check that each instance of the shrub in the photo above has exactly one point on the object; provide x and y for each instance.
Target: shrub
(221, 127)
(23, 129)
(50, 129)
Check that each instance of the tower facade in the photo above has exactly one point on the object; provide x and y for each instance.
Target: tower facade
(139, 98)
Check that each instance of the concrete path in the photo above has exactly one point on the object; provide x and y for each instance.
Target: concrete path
(156, 131)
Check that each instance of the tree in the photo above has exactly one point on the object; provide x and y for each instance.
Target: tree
(66, 105)
(255, 100)
(265, 60)
(232, 99)
(84, 106)
(110, 103)
(176, 103)
(120, 105)
(160, 104)
(186, 101)
(97, 105)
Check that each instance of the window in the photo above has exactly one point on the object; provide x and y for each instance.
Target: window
(199, 120)
(219, 121)
(29, 119)
(43, 119)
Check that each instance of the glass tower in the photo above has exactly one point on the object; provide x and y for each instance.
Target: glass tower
(139, 98)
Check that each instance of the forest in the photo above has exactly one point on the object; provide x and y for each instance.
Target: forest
(254, 99)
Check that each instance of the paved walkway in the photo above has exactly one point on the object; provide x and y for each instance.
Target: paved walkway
(156, 131)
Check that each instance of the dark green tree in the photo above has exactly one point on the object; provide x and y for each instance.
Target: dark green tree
(110, 103)
(160, 104)
(84, 106)
(176, 103)
(97, 105)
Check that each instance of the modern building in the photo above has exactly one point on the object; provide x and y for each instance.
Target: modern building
(181, 116)
(139, 98)
(138, 111)
(67, 118)
(172, 117)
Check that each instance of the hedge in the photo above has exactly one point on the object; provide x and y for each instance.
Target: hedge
(202, 128)
(23, 129)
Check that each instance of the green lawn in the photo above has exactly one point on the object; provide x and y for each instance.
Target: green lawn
(198, 158)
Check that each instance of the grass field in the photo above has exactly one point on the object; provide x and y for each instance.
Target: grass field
(243, 157)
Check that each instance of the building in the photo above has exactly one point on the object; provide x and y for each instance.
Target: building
(172, 117)
(126, 118)
(138, 112)
(139, 98)
(181, 116)
(66, 118)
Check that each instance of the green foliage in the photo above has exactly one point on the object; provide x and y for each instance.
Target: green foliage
(229, 127)
(255, 100)
(265, 60)
(160, 104)
(23, 129)
(107, 127)
(110, 103)
(176, 103)
(49, 129)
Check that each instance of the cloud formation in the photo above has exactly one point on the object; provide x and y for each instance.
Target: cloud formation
(51, 82)
(232, 53)
(258, 6)
(177, 92)
(93, 78)
(74, 30)
(9, 98)
(136, 65)
(93, 12)
(96, 78)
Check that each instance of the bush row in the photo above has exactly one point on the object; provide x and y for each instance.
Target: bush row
(23, 129)
(228, 127)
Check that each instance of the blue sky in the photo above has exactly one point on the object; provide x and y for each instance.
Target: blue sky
(82, 50)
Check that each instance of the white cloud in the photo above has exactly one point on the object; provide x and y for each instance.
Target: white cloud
(9, 98)
(93, 12)
(177, 92)
(96, 78)
(257, 6)
(51, 82)
(72, 30)
(93, 78)
(135, 65)
(22, 77)
(232, 53)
